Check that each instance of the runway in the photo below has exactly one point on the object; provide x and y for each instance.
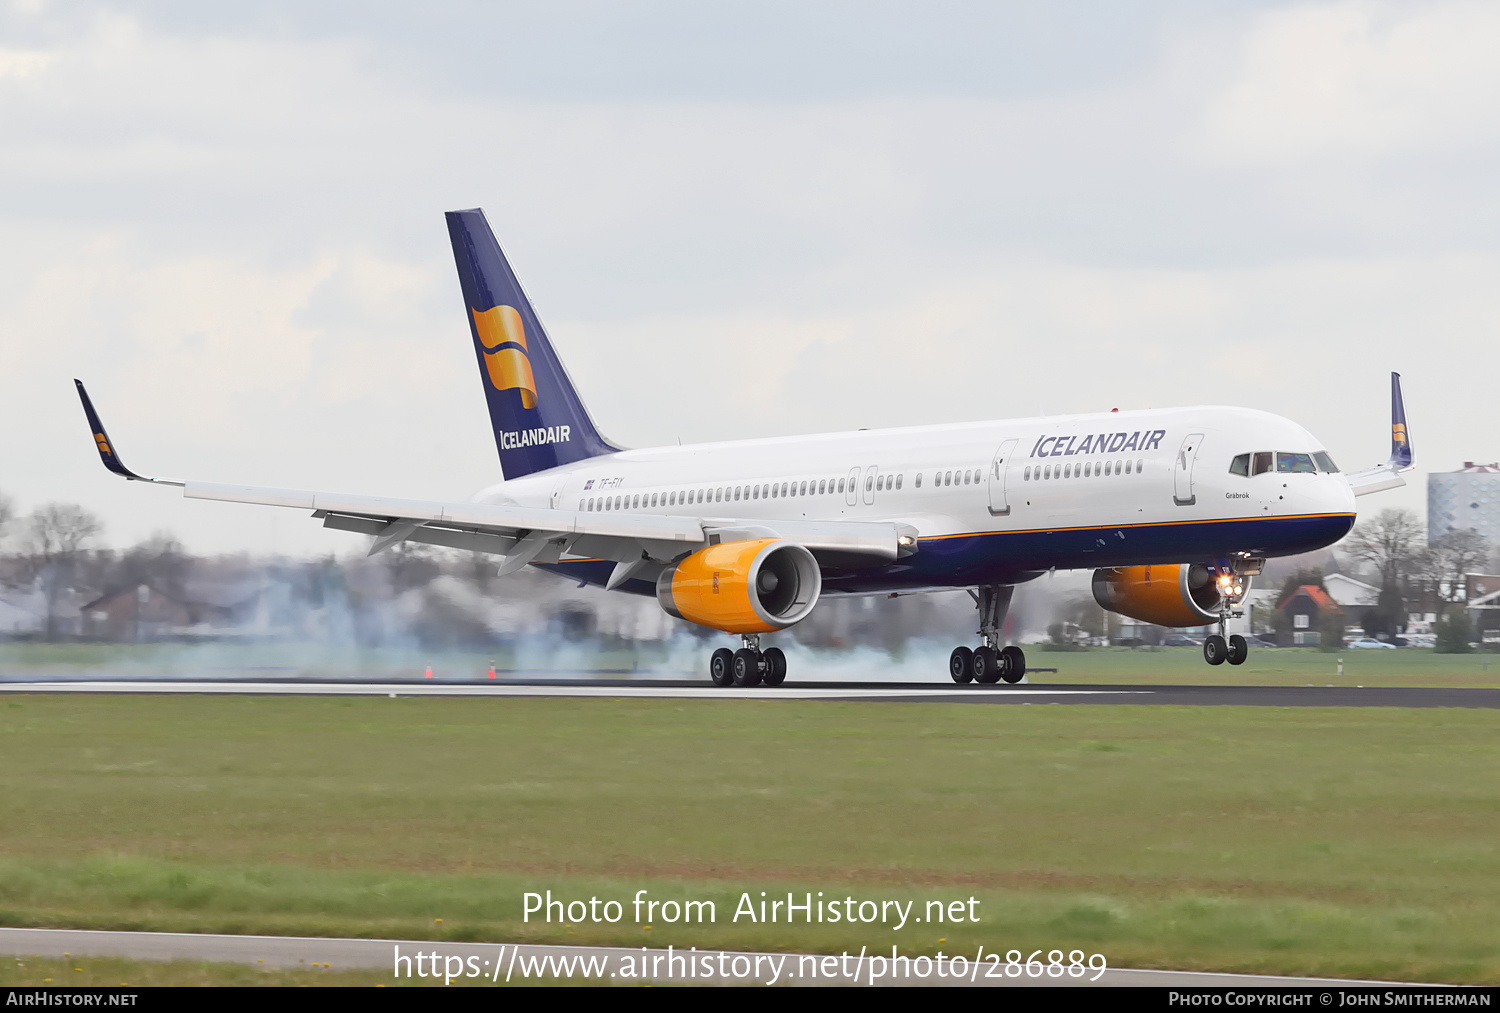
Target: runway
(517, 963)
(910, 692)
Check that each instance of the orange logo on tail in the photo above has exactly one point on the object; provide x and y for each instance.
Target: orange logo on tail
(1398, 432)
(103, 444)
(504, 339)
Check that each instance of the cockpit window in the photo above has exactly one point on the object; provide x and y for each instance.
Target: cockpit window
(1325, 463)
(1240, 465)
(1294, 463)
(1263, 462)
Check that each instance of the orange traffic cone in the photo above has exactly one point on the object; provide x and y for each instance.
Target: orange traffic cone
(429, 673)
(492, 670)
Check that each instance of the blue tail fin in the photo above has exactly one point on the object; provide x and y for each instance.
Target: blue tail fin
(538, 418)
(1401, 454)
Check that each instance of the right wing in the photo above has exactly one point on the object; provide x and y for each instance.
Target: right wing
(1388, 475)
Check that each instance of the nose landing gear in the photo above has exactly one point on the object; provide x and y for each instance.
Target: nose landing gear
(989, 663)
(1224, 646)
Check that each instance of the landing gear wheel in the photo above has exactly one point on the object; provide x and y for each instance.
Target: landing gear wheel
(746, 667)
(1239, 650)
(775, 673)
(985, 665)
(1012, 664)
(1215, 650)
(961, 664)
(721, 667)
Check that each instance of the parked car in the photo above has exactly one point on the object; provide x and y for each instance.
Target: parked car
(1261, 642)
(1372, 643)
(1180, 640)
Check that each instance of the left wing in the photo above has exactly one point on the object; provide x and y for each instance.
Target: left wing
(636, 541)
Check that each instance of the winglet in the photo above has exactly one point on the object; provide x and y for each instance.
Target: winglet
(1401, 455)
(105, 445)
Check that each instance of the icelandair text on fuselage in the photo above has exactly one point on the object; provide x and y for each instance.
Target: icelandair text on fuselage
(1104, 443)
(515, 440)
(808, 909)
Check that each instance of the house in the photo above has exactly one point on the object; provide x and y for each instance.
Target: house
(1306, 610)
(142, 612)
(1347, 591)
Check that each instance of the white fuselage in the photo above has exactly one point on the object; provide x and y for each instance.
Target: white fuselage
(1010, 498)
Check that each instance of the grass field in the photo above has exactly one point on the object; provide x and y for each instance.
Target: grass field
(1348, 842)
(111, 972)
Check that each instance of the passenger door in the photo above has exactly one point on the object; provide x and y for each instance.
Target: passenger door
(999, 503)
(1182, 471)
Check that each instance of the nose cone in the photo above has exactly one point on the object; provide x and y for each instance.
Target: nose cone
(1332, 494)
(1327, 505)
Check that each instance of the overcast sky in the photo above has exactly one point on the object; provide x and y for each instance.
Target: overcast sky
(736, 220)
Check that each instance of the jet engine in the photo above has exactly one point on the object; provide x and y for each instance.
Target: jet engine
(1179, 594)
(753, 586)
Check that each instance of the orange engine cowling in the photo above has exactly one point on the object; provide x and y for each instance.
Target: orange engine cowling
(753, 586)
(1179, 594)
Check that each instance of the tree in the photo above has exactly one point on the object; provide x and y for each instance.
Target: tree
(1453, 633)
(159, 562)
(7, 513)
(55, 537)
(1389, 542)
(1442, 567)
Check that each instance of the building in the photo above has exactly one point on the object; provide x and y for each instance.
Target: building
(1349, 592)
(1307, 611)
(142, 612)
(1464, 499)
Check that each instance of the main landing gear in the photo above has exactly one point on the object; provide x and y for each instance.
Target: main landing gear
(989, 663)
(749, 666)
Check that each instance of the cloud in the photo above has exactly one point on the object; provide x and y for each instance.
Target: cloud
(1360, 79)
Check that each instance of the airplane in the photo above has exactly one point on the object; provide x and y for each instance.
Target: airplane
(1175, 510)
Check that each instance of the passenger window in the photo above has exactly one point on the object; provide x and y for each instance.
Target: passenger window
(1127, 467)
(1240, 466)
(1048, 472)
(1140, 465)
(1295, 464)
(1261, 462)
(869, 483)
(1325, 463)
(841, 485)
(898, 480)
(919, 480)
